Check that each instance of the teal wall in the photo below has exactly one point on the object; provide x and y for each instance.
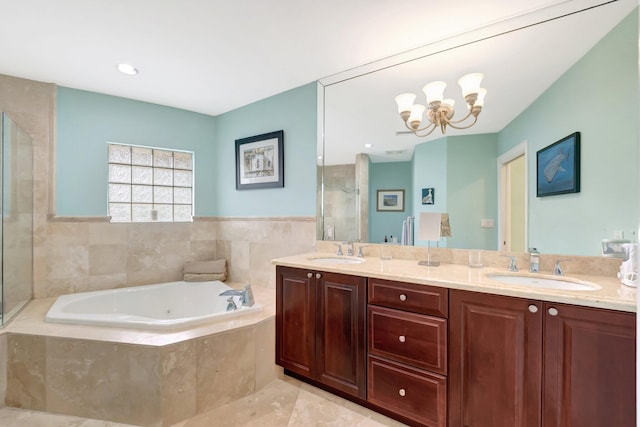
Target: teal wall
(462, 170)
(293, 111)
(429, 171)
(86, 121)
(597, 97)
(388, 176)
(472, 183)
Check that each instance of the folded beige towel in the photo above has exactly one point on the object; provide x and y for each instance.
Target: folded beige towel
(204, 277)
(205, 267)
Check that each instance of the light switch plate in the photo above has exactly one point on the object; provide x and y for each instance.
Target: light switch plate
(486, 223)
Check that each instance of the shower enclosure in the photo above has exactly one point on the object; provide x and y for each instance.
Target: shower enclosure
(16, 228)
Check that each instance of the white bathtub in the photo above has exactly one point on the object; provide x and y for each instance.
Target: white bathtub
(163, 306)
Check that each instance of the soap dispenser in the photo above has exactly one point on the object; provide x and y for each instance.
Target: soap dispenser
(534, 260)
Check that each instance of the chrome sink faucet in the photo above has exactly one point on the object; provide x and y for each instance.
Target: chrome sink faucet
(349, 248)
(512, 263)
(557, 270)
(360, 253)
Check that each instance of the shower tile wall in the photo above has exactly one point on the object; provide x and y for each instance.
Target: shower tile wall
(340, 201)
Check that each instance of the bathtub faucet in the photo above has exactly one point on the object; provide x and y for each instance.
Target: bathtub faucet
(246, 296)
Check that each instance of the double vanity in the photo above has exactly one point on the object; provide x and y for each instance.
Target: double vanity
(456, 346)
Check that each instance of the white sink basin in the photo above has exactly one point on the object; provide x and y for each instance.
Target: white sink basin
(544, 282)
(337, 260)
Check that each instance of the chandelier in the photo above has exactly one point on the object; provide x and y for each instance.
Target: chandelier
(441, 110)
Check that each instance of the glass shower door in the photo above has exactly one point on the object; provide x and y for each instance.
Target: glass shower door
(16, 230)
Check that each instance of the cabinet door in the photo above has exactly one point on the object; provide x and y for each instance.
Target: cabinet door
(495, 350)
(340, 332)
(589, 367)
(295, 320)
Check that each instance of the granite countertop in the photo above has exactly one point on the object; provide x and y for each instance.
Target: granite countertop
(611, 295)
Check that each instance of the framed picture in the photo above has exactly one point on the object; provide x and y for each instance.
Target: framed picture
(428, 196)
(390, 201)
(558, 167)
(260, 161)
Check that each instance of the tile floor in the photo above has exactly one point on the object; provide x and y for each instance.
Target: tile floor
(285, 402)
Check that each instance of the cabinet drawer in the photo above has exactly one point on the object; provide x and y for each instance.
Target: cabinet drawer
(410, 392)
(422, 299)
(411, 338)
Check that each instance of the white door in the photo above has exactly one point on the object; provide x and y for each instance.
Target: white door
(513, 200)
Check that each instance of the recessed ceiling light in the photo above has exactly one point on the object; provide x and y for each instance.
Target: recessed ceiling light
(127, 69)
(368, 145)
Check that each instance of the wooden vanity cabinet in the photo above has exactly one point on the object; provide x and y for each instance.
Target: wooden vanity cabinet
(589, 374)
(519, 362)
(407, 351)
(320, 328)
(495, 360)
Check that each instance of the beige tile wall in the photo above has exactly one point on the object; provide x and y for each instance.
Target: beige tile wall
(87, 255)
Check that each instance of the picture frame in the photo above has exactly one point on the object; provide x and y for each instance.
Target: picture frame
(558, 167)
(260, 161)
(390, 201)
(428, 196)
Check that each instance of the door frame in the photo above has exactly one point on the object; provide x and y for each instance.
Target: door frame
(520, 149)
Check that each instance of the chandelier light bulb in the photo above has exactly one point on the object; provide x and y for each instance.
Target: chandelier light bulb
(405, 101)
(470, 83)
(434, 91)
(482, 92)
(417, 111)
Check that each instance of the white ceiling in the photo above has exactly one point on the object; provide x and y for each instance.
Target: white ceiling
(212, 56)
(518, 67)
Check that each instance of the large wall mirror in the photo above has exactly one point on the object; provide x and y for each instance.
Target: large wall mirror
(546, 78)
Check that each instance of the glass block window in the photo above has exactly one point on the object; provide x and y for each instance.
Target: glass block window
(150, 184)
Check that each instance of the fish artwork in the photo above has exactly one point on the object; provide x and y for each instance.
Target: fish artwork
(553, 167)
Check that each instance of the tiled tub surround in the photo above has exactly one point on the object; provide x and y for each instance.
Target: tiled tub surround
(134, 376)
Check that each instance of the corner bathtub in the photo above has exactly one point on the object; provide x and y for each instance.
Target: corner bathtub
(163, 306)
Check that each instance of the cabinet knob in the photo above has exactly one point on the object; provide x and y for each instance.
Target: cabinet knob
(318, 275)
(533, 308)
(403, 297)
(553, 311)
(402, 392)
(402, 338)
(309, 275)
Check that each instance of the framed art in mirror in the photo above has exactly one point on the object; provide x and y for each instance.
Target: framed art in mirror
(260, 161)
(390, 200)
(558, 167)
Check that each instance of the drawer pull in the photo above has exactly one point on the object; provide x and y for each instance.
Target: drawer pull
(533, 308)
(402, 392)
(318, 275)
(553, 311)
(309, 275)
(403, 297)
(402, 338)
